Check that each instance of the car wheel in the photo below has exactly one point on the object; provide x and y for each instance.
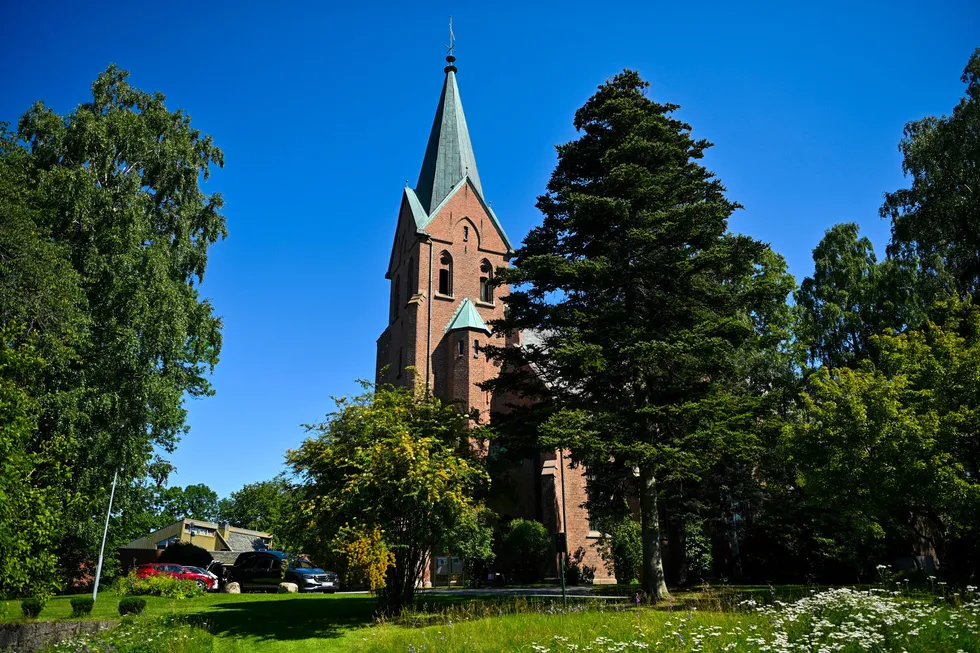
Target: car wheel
(202, 585)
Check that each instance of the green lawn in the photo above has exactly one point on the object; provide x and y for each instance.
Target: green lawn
(245, 622)
(707, 621)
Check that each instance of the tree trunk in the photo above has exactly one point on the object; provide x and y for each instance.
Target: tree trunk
(653, 566)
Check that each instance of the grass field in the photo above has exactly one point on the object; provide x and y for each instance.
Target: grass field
(245, 622)
(696, 622)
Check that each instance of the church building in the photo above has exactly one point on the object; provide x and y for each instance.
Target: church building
(448, 242)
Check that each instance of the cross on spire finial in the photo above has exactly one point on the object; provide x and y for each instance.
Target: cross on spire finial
(451, 49)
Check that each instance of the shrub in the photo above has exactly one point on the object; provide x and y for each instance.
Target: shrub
(185, 553)
(576, 571)
(624, 550)
(156, 585)
(131, 605)
(573, 573)
(81, 606)
(31, 607)
(527, 548)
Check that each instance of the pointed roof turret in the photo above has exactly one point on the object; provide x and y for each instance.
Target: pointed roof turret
(449, 155)
(467, 317)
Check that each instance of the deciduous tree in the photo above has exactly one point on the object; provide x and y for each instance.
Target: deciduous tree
(892, 445)
(934, 220)
(105, 219)
(852, 297)
(395, 460)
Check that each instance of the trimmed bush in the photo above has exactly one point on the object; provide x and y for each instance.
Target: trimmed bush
(31, 607)
(81, 606)
(131, 605)
(527, 549)
(156, 585)
(187, 554)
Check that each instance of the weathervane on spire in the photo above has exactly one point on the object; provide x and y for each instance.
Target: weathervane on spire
(451, 49)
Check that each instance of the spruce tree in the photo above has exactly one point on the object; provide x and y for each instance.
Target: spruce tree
(650, 319)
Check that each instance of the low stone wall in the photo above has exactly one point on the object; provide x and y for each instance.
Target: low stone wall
(33, 636)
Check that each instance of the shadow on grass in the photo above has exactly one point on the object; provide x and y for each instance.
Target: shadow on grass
(287, 619)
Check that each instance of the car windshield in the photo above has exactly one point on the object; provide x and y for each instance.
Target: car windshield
(301, 563)
(196, 570)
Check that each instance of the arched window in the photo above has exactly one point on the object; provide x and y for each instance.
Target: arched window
(446, 274)
(486, 282)
(412, 281)
(396, 291)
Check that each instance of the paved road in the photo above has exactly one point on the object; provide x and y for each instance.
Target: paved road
(541, 592)
(578, 591)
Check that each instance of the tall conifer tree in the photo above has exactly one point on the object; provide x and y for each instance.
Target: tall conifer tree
(650, 317)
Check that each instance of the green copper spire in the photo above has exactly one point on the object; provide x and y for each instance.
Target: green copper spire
(449, 154)
(467, 317)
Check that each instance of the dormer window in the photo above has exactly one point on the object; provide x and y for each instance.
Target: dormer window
(486, 282)
(446, 274)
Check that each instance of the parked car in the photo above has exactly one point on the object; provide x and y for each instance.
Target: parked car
(264, 570)
(205, 580)
(207, 573)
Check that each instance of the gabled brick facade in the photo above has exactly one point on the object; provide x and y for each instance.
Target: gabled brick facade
(447, 243)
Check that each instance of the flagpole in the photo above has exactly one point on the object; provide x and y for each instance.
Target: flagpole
(105, 533)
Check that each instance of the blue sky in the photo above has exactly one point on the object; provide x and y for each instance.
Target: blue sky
(323, 111)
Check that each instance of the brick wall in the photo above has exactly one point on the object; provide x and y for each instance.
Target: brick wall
(534, 490)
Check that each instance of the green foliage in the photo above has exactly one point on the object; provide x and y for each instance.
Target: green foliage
(185, 553)
(393, 459)
(131, 605)
(526, 549)
(472, 536)
(622, 550)
(934, 220)
(265, 506)
(891, 446)
(697, 549)
(81, 605)
(851, 297)
(31, 607)
(29, 509)
(191, 502)
(104, 234)
(656, 328)
(156, 585)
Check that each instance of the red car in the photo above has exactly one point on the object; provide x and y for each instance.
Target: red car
(178, 571)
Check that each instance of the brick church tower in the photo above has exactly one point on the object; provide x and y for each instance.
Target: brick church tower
(448, 243)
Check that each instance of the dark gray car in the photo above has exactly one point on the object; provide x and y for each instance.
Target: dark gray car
(264, 570)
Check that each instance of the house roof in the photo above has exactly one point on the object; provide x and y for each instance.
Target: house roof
(237, 536)
(449, 154)
(245, 542)
(467, 317)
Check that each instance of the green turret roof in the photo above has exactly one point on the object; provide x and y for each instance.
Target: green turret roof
(467, 317)
(449, 155)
